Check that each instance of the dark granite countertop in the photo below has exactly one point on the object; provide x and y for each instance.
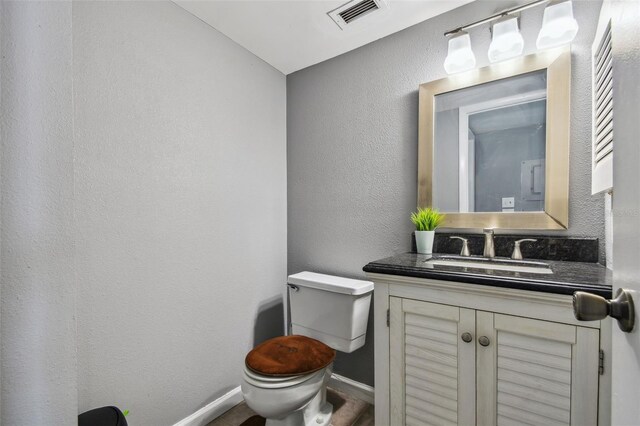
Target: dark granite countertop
(567, 277)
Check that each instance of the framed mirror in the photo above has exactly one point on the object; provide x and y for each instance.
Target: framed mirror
(493, 146)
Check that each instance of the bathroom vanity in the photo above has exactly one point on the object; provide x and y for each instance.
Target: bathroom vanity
(470, 340)
(460, 344)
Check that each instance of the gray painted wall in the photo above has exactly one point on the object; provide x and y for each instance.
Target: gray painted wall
(352, 147)
(38, 305)
(180, 171)
(143, 165)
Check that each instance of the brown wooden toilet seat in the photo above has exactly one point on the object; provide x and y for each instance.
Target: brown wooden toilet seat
(289, 356)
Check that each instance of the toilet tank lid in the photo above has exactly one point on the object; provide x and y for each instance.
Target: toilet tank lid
(331, 283)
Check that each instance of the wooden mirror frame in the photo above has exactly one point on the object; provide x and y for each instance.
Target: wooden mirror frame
(557, 62)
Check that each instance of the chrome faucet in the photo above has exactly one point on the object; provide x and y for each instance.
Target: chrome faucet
(489, 247)
(517, 254)
(465, 246)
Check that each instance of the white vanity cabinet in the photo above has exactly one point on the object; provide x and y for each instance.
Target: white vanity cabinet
(451, 353)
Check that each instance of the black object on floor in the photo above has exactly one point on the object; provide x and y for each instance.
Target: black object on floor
(105, 416)
(254, 421)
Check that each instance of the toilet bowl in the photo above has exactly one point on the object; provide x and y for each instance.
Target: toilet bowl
(285, 381)
(289, 401)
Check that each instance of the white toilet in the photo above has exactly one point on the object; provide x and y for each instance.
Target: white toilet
(332, 310)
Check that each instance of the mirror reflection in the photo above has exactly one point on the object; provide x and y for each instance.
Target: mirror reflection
(490, 145)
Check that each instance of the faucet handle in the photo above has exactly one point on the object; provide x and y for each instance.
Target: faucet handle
(465, 246)
(517, 254)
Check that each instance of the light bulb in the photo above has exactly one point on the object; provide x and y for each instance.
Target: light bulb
(507, 41)
(460, 56)
(558, 25)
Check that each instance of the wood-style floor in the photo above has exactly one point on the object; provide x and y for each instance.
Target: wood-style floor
(347, 411)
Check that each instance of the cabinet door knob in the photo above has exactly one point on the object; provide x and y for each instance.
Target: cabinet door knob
(484, 340)
(466, 337)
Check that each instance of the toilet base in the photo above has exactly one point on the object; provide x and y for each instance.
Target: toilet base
(316, 413)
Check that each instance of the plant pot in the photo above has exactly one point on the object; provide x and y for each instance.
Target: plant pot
(424, 241)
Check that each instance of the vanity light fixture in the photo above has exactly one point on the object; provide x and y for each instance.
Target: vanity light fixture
(506, 41)
(460, 57)
(558, 25)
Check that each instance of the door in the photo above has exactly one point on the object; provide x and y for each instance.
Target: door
(536, 372)
(626, 205)
(432, 363)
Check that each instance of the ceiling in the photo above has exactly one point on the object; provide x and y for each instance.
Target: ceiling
(529, 114)
(294, 34)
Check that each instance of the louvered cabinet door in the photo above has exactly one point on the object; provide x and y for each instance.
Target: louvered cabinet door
(533, 372)
(432, 370)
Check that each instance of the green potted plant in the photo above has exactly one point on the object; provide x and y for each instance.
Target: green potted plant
(426, 221)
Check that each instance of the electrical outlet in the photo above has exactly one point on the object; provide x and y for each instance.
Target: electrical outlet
(508, 202)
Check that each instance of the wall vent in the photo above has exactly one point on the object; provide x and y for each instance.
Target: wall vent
(349, 12)
(603, 99)
(602, 118)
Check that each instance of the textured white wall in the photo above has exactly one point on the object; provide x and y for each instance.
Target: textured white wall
(352, 140)
(180, 176)
(38, 349)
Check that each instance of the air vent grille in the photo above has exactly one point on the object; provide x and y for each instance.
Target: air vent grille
(358, 10)
(354, 10)
(603, 99)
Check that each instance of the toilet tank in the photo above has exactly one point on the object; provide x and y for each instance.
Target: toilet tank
(331, 309)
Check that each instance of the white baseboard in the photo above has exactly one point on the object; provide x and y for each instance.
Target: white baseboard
(214, 409)
(351, 387)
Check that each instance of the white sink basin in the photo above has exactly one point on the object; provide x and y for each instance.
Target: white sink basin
(524, 266)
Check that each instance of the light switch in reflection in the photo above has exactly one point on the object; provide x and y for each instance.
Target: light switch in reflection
(508, 202)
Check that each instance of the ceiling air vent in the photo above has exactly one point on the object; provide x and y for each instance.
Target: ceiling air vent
(354, 10)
